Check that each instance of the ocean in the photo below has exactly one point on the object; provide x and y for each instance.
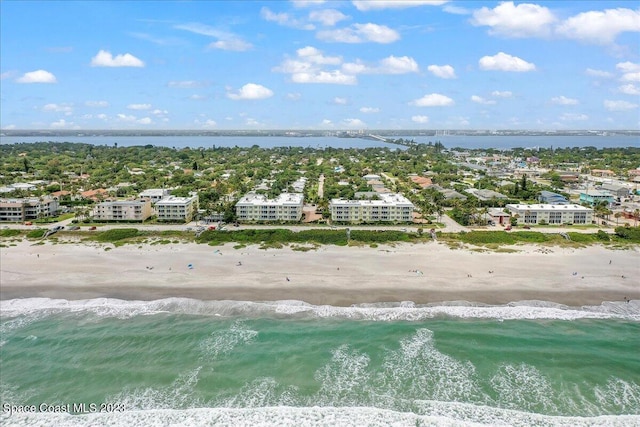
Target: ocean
(321, 142)
(106, 362)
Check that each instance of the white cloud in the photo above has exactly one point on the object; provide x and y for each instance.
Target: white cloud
(563, 100)
(600, 27)
(629, 89)
(354, 123)
(628, 67)
(7, 75)
(364, 5)
(236, 45)
(327, 17)
(619, 105)
(442, 71)
(58, 108)
(598, 73)
(329, 77)
(505, 62)
(187, 84)
(306, 3)
(456, 10)
(340, 101)
(9, 127)
(38, 76)
(369, 110)
(360, 33)
(63, 124)
(97, 104)
(251, 91)
(285, 19)
(106, 59)
(145, 121)
(572, 117)
(433, 100)
(508, 20)
(206, 124)
(420, 119)
(398, 65)
(631, 77)
(197, 97)
(502, 93)
(159, 113)
(139, 106)
(311, 54)
(126, 118)
(294, 96)
(480, 100)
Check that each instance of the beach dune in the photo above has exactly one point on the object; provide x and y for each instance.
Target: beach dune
(341, 276)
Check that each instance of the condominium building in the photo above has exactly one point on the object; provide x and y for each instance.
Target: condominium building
(123, 210)
(18, 210)
(174, 209)
(155, 194)
(389, 207)
(594, 197)
(256, 207)
(551, 214)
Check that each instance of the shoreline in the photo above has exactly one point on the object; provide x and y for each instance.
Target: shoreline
(329, 275)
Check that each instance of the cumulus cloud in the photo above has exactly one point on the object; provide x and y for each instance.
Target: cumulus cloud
(480, 100)
(251, 91)
(631, 71)
(38, 76)
(364, 5)
(509, 20)
(389, 65)
(505, 62)
(563, 100)
(442, 71)
(598, 73)
(58, 108)
(237, 45)
(330, 77)
(354, 123)
(106, 59)
(433, 100)
(187, 84)
(63, 124)
(285, 19)
(340, 101)
(139, 106)
(619, 105)
(97, 104)
(294, 96)
(360, 33)
(308, 67)
(306, 3)
(369, 110)
(600, 27)
(572, 117)
(420, 119)
(502, 93)
(629, 89)
(327, 17)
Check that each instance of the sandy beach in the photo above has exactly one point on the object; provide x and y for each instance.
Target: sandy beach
(422, 273)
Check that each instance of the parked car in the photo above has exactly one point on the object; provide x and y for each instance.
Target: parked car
(92, 228)
(28, 223)
(73, 228)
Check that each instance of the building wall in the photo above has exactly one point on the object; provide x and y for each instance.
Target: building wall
(551, 214)
(139, 210)
(177, 208)
(17, 210)
(391, 208)
(256, 207)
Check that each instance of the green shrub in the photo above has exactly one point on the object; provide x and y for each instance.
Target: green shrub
(38, 233)
(9, 233)
(601, 235)
(117, 234)
(628, 233)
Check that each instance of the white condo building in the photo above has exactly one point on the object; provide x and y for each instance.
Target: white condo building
(256, 207)
(123, 210)
(389, 207)
(551, 214)
(174, 209)
(26, 209)
(155, 194)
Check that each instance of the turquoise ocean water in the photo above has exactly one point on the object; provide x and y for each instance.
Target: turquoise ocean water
(189, 362)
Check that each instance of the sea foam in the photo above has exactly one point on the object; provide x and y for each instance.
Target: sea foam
(402, 311)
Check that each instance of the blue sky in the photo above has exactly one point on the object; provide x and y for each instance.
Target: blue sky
(420, 64)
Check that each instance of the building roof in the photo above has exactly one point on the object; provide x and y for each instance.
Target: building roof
(174, 200)
(549, 207)
(262, 200)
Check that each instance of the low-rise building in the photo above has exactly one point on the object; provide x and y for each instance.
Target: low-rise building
(485, 194)
(551, 198)
(155, 194)
(123, 210)
(257, 207)
(177, 209)
(550, 214)
(17, 210)
(389, 207)
(594, 197)
(615, 189)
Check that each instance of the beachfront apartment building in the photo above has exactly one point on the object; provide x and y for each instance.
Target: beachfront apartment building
(123, 210)
(24, 209)
(257, 207)
(550, 214)
(388, 207)
(155, 194)
(177, 209)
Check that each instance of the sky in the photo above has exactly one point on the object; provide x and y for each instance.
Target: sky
(322, 65)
